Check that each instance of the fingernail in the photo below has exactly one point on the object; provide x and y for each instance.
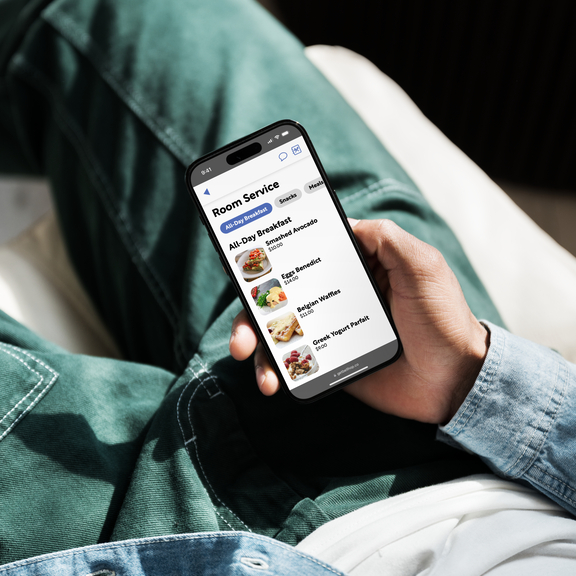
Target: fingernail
(353, 222)
(260, 376)
(232, 336)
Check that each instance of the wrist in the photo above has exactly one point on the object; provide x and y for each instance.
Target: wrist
(470, 368)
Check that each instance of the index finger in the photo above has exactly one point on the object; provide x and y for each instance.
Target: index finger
(243, 340)
(393, 247)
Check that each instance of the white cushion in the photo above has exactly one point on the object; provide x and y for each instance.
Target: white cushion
(39, 288)
(531, 279)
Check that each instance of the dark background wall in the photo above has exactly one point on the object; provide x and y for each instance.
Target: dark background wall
(497, 77)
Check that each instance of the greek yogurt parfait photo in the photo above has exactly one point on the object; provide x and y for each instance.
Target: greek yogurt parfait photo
(300, 362)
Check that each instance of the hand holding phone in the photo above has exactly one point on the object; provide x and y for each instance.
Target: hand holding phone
(283, 239)
(444, 344)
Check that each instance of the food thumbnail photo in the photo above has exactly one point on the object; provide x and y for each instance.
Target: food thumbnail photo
(269, 296)
(284, 329)
(300, 362)
(253, 264)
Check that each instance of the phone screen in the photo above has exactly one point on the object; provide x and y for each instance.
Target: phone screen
(282, 236)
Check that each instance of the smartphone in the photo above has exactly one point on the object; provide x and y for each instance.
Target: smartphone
(285, 243)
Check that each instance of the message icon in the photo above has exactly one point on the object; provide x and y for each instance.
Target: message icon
(282, 156)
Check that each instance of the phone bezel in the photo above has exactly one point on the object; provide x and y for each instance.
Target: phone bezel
(263, 337)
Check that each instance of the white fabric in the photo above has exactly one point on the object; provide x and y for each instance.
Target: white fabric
(531, 279)
(473, 526)
(39, 289)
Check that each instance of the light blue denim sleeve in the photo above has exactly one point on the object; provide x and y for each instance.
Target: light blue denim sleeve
(520, 416)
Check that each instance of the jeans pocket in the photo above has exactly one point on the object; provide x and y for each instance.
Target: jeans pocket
(24, 381)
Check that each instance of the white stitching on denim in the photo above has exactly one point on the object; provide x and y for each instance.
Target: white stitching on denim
(548, 487)
(186, 442)
(158, 127)
(152, 280)
(201, 381)
(209, 376)
(553, 415)
(544, 431)
(161, 539)
(41, 394)
(22, 351)
(178, 409)
(149, 116)
(109, 205)
(41, 379)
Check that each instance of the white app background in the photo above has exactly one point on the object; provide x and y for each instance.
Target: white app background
(333, 301)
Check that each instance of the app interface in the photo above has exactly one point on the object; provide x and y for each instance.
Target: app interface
(291, 255)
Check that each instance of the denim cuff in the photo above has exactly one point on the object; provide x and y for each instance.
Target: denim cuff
(520, 416)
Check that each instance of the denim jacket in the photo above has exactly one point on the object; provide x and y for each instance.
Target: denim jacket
(520, 416)
(203, 554)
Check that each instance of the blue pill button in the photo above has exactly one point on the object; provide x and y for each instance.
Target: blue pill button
(246, 218)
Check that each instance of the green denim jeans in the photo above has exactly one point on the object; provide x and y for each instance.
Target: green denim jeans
(112, 100)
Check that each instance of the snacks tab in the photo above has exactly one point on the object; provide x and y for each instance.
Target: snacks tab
(288, 198)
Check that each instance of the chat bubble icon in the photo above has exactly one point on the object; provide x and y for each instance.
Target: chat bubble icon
(282, 156)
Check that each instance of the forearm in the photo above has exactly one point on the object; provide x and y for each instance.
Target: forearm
(520, 416)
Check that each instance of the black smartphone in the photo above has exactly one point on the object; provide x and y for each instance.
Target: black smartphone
(284, 240)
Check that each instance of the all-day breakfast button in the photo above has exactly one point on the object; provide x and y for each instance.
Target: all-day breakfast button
(288, 198)
(314, 185)
(246, 218)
